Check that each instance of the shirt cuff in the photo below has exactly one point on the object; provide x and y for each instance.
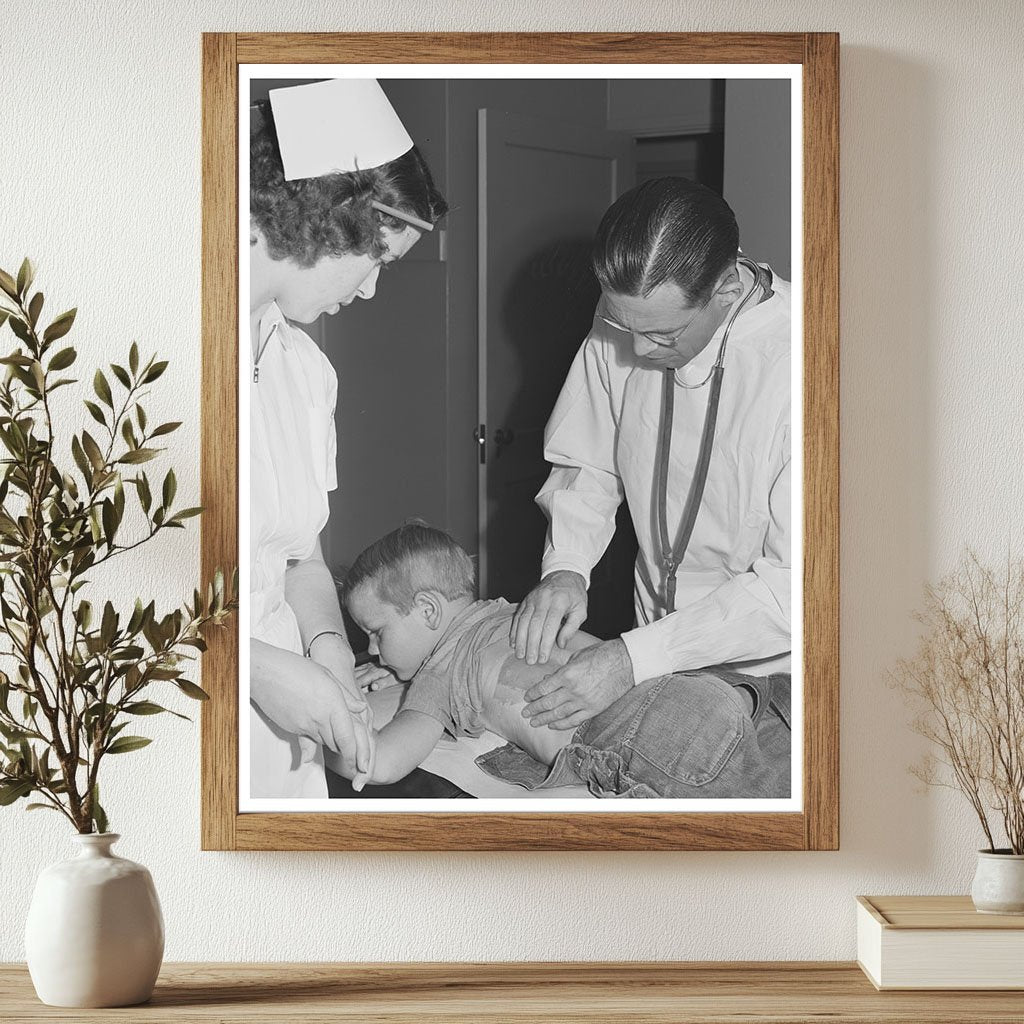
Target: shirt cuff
(648, 653)
(565, 562)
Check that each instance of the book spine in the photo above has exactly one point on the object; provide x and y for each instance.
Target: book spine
(869, 945)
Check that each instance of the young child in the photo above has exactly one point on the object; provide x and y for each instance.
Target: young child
(691, 734)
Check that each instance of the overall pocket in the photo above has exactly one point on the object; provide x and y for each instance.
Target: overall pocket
(687, 730)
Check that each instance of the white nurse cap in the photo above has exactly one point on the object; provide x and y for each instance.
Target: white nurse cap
(341, 125)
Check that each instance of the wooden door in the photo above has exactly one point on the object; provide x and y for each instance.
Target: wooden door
(543, 187)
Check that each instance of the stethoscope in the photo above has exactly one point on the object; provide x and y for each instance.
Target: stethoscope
(672, 553)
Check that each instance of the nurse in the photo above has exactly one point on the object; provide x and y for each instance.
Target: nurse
(681, 315)
(338, 191)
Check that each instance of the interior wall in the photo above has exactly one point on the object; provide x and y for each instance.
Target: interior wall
(756, 167)
(654, 107)
(100, 172)
(390, 354)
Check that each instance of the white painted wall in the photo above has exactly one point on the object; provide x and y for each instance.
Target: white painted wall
(99, 181)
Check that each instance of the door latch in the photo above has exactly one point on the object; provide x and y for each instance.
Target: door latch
(480, 436)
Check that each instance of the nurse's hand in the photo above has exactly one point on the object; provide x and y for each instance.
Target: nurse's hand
(551, 613)
(336, 657)
(308, 700)
(590, 681)
(321, 709)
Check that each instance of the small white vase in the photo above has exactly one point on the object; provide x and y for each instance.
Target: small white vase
(999, 882)
(95, 933)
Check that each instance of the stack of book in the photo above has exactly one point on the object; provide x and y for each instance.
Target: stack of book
(938, 942)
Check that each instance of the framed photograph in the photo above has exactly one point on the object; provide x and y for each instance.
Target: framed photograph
(567, 488)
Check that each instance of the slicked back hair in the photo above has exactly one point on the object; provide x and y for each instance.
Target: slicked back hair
(667, 229)
(407, 561)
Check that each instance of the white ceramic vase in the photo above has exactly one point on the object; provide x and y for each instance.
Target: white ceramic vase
(95, 933)
(999, 882)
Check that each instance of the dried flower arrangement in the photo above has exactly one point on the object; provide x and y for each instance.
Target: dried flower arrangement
(967, 679)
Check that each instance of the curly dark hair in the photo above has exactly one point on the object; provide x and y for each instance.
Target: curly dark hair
(310, 218)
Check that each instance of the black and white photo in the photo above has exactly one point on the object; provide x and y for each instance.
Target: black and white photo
(519, 471)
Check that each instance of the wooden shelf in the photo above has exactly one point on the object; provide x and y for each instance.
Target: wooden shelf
(660, 993)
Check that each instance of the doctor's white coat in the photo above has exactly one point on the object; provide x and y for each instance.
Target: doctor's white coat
(733, 586)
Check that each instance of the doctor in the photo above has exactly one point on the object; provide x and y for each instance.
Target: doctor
(338, 191)
(689, 356)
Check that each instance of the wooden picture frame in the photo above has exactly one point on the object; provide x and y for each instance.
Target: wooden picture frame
(816, 826)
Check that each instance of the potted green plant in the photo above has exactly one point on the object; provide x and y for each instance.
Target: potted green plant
(76, 672)
(967, 682)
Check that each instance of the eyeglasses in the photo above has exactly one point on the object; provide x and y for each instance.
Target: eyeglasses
(664, 340)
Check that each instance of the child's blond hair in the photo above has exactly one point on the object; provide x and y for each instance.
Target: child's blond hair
(412, 559)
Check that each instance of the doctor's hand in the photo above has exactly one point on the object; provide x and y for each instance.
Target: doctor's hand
(590, 681)
(551, 613)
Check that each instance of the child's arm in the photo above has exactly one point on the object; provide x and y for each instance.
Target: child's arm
(399, 747)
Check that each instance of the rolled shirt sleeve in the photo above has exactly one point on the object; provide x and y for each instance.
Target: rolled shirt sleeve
(734, 583)
(583, 490)
(747, 618)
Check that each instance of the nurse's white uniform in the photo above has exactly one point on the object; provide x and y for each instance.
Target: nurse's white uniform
(733, 596)
(293, 449)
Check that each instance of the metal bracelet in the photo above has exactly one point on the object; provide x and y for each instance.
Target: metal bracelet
(325, 632)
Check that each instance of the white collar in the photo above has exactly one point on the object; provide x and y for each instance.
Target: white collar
(274, 322)
(699, 368)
